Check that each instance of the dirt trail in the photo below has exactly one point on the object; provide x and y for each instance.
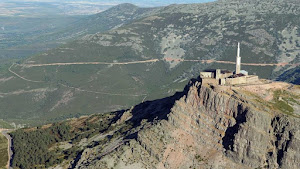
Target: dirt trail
(9, 69)
(9, 145)
(82, 90)
(140, 62)
(156, 60)
(91, 63)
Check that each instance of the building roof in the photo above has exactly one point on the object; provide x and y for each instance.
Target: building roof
(226, 71)
(214, 70)
(236, 75)
(243, 72)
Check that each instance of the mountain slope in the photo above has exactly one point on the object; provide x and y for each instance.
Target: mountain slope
(291, 75)
(109, 19)
(201, 127)
(26, 36)
(268, 31)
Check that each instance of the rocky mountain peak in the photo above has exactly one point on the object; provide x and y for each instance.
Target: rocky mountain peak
(204, 126)
(124, 6)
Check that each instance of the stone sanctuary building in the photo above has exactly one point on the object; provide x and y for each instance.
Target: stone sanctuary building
(225, 77)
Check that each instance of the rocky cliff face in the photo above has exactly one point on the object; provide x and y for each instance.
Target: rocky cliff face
(202, 128)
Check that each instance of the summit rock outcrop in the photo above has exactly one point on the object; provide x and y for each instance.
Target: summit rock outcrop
(204, 127)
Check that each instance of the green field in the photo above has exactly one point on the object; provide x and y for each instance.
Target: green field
(3, 151)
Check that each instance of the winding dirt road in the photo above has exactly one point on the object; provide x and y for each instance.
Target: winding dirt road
(9, 69)
(9, 147)
(140, 62)
(78, 89)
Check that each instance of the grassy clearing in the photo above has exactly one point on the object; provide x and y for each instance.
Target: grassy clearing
(3, 151)
(284, 100)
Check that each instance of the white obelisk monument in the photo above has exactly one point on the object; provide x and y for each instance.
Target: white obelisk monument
(238, 61)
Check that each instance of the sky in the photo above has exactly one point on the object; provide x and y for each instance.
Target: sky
(115, 2)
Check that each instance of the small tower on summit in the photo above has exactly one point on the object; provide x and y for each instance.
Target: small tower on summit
(224, 78)
(238, 61)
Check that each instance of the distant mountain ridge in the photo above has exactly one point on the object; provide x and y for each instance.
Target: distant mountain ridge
(109, 19)
(267, 30)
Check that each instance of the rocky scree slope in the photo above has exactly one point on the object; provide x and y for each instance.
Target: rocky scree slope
(201, 127)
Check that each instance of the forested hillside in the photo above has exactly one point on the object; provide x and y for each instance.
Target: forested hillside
(172, 40)
(60, 142)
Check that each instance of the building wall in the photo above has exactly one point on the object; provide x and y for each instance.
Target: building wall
(220, 75)
(210, 81)
(225, 75)
(242, 80)
(219, 78)
(222, 82)
(221, 88)
(206, 74)
(237, 80)
(252, 79)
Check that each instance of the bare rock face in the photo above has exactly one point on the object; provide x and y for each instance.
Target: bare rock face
(207, 129)
(287, 134)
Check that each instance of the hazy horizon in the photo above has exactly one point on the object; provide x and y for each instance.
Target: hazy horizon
(38, 8)
(116, 2)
